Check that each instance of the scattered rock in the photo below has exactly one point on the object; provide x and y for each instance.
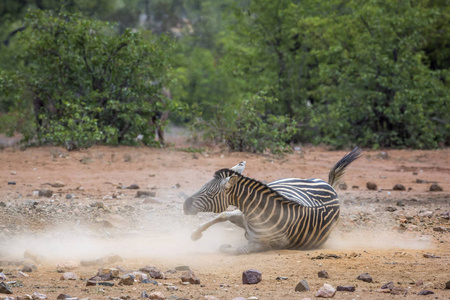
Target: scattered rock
(133, 187)
(425, 292)
(429, 255)
(38, 296)
(11, 183)
(345, 288)
(251, 276)
(327, 291)
(389, 285)
(157, 296)
(384, 291)
(399, 291)
(190, 277)
(5, 289)
(145, 194)
(371, 186)
(105, 283)
(172, 288)
(400, 203)
(144, 294)
(45, 193)
(383, 155)
(447, 285)
(391, 209)
(66, 266)
(70, 196)
(326, 256)
(343, 186)
(150, 281)
(302, 286)
(153, 272)
(91, 283)
(2, 276)
(29, 268)
(440, 229)
(323, 274)
(399, 187)
(127, 279)
(22, 274)
(365, 277)
(63, 296)
(280, 278)
(57, 184)
(210, 297)
(112, 272)
(69, 276)
(436, 188)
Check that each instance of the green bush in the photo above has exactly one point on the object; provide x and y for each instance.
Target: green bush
(246, 127)
(88, 84)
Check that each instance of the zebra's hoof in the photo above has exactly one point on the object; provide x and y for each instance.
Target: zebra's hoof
(196, 235)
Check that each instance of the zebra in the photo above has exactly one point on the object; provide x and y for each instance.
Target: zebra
(288, 213)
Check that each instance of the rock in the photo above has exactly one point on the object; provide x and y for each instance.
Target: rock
(326, 256)
(69, 276)
(425, 292)
(400, 203)
(384, 291)
(389, 285)
(5, 289)
(104, 283)
(2, 276)
(365, 277)
(182, 268)
(29, 268)
(323, 274)
(391, 209)
(440, 229)
(251, 276)
(210, 297)
(172, 288)
(63, 296)
(150, 281)
(113, 272)
(383, 155)
(11, 183)
(343, 186)
(145, 194)
(436, 188)
(399, 291)
(144, 294)
(153, 272)
(22, 274)
(127, 279)
(45, 193)
(69, 196)
(133, 187)
(429, 255)
(399, 187)
(156, 296)
(447, 285)
(190, 277)
(280, 278)
(95, 262)
(66, 266)
(371, 186)
(327, 291)
(91, 283)
(345, 288)
(302, 286)
(57, 184)
(38, 296)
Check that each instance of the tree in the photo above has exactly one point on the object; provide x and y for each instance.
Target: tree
(86, 84)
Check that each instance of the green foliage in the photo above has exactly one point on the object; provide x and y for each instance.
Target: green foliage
(87, 84)
(245, 127)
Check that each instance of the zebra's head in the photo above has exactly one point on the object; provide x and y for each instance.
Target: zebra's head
(213, 196)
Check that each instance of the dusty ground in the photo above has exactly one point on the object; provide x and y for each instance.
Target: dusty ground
(388, 234)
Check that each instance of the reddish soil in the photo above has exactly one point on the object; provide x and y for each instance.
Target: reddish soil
(391, 244)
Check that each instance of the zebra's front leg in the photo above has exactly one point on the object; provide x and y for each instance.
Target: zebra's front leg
(236, 217)
(249, 248)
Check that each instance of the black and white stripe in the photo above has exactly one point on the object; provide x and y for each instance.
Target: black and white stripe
(288, 213)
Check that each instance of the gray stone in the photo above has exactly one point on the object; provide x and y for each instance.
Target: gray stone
(5, 289)
(399, 291)
(399, 187)
(323, 274)
(127, 279)
(389, 285)
(45, 193)
(69, 276)
(371, 186)
(29, 268)
(345, 288)
(391, 209)
(190, 277)
(280, 278)
(251, 276)
(425, 292)
(302, 286)
(63, 296)
(327, 291)
(436, 188)
(365, 277)
(145, 194)
(105, 283)
(133, 187)
(39, 296)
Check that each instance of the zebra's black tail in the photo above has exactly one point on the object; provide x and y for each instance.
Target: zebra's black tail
(336, 173)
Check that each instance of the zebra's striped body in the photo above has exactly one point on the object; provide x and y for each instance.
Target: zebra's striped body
(288, 213)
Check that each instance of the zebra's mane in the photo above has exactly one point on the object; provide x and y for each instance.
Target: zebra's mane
(224, 173)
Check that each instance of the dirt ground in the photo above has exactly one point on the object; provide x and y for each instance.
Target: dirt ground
(93, 214)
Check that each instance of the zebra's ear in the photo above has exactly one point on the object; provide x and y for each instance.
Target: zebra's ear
(239, 168)
(230, 181)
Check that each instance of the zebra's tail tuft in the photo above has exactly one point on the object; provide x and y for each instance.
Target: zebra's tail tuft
(338, 170)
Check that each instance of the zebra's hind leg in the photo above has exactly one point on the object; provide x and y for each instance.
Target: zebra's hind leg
(249, 248)
(236, 217)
